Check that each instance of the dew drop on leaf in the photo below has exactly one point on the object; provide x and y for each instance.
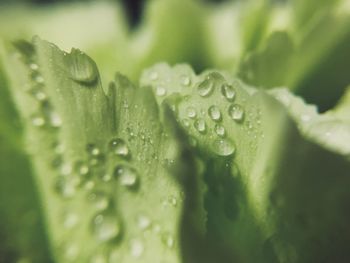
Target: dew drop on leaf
(99, 200)
(206, 87)
(200, 126)
(38, 94)
(191, 112)
(160, 91)
(89, 185)
(58, 148)
(55, 120)
(214, 113)
(126, 175)
(106, 226)
(71, 252)
(143, 222)
(223, 147)
(106, 177)
(70, 220)
(172, 200)
(219, 130)
(168, 240)
(136, 248)
(228, 92)
(82, 169)
(81, 68)
(33, 66)
(37, 120)
(65, 187)
(66, 169)
(39, 79)
(185, 80)
(93, 150)
(119, 147)
(236, 112)
(156, 228)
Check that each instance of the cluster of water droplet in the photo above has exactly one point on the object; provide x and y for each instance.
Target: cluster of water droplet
(160, 89)
(45, 115)
(213, 82)
(106, 225)
(83, 177)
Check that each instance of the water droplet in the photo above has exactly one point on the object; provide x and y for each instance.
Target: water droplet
(223, 147)
(136, 248)
(228, 92)
(106, 226)
(119, 147)
(172, 200)
(168, 240)
(154, 75)
(200, 125)
(249, 125)
(89, 185)
(38, 120)
(126, 175)
(71, 252)
(143, 222)
(206, 87)
(66, 169)
(38, 94)
(96, 160)
(214, 113)
(191, 112)
(65, 187)
(106, 177)
(81, 68)
(93, 149)
(55, 120)
(236, 112)
(219, 130)
(33, 66)
(99, 200)
(82, 168)
(39, 79)
(58, 148)
(70, 220)
(160, 91)
(185, 80)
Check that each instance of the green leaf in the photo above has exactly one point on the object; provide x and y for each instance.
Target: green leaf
(342, 109)
(276, 188)
(103, 40)
(21, 227)
(107, 169)
(172, 31)
(304, 59)
(306, 12)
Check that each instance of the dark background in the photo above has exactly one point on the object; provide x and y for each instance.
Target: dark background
(132, 7)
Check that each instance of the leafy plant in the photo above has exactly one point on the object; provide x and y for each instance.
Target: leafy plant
(156, 163)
